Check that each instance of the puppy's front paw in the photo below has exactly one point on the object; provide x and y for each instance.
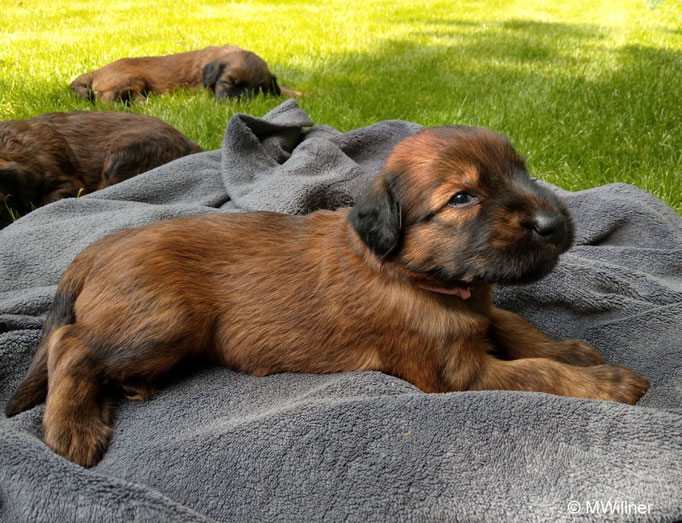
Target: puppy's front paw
(80, 441)
(616, 383)
(579, 353)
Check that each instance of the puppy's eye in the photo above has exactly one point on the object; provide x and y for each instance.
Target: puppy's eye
(461, 198)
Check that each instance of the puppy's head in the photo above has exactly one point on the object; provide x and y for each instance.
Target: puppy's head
(455, 206)
(21, 189)
(240, 73)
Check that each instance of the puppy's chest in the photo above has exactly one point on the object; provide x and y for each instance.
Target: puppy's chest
(407, 322)
(446, 329)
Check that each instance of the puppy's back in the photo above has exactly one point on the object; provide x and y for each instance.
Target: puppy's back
(152, 73)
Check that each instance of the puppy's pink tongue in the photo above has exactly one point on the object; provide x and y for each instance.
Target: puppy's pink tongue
(462, 292)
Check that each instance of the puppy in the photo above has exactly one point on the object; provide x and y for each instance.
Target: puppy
(227, 71)
(59, 155)
(400, 283)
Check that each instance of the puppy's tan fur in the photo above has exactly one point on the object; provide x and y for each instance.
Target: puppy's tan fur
(228, 71)
(400, 284)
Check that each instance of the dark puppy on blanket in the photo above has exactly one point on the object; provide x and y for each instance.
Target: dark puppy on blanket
(229, 71)
(401, 283)
(60, 155)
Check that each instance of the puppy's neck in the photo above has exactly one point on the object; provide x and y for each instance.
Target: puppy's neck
(395, 271)
(358, 247)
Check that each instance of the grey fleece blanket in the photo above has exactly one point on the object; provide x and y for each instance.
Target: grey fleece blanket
(218, 445)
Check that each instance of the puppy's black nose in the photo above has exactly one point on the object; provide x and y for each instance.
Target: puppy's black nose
(548, 225)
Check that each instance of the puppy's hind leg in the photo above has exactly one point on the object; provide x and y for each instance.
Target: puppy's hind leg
(125, 89)
(77, 422)
(132, 153)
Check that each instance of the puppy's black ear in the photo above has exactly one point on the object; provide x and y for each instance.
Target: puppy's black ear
(376, 218)
(212, 72)
(275, 87)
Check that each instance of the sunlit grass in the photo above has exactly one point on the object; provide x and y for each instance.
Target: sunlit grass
(589, 92)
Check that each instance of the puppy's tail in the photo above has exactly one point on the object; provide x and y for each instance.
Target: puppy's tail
(286, 91)
(82, 86)
(33, 389)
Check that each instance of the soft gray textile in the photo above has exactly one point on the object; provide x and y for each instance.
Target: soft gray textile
(217, 445)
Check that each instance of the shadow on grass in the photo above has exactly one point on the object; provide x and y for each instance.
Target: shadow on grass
(582, 118)
(483, 76)
(521, 39)
(555, 29)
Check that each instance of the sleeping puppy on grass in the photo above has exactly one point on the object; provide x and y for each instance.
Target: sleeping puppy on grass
(401, 283)
(228, 71)
(61, 155)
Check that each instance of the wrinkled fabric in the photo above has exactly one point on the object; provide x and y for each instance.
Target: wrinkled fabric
(217, 445)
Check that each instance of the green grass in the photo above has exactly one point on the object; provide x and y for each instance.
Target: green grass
(590, 92)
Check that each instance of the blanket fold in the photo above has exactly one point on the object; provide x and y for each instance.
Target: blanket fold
(217, 445)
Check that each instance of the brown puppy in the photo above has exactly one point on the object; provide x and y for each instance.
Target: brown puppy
(59, 155)
(228, 71)
(401, 283)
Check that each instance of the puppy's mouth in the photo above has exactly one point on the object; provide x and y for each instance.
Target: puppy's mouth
(460, 288)
(432, 281)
